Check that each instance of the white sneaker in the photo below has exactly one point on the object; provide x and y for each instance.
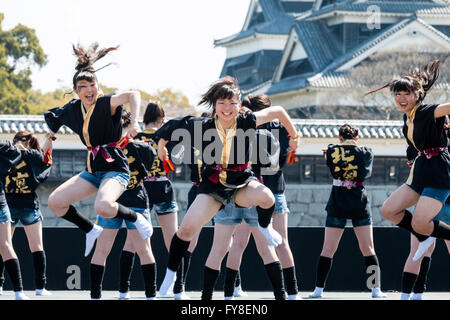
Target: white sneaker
(168, 282)
(19, 295)
(42, 292)
(292, 296)
(317, 294)
(228, 298)
(1, 291)
(238, 292)
(416, 296)
(181, 296)
(377, 293)
(423, 247)
(91, 236)
(272, 236)
(405, 296)
(144, 226)
(124, 296)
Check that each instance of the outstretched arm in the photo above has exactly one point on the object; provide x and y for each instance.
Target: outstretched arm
(442, 110)
(277, 112)
(134, 99)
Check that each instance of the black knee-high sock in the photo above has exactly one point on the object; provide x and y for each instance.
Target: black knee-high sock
(12, 266)
(72, 215)
(209, 282)
(126, 266)
(370, 261)
(40, 264)
(149, 274)
(323, 269)
(290, 280)
(230, 280)
(408, 280)
(126, 213)
(178, 286)
(97, 272)
(177, 250)
(441, 230)
(180, 283)
(2, 271)
(406, 224)
(264, 215)
(420, 285)
(238, 279)
(275, 274)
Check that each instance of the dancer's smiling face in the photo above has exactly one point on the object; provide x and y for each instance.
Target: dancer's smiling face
(227, 110)
(405, 100)
(87, 91)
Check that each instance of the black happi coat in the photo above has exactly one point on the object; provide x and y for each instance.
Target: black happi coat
(422, 131)
(96, 127)
(224, 165)
(22, 180)
(140, 157)
(349, 162)
(275, 182)
(9, 157)
(158, 191)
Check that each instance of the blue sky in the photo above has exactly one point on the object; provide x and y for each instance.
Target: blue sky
(163, 43)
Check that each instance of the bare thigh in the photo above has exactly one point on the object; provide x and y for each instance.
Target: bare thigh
(394, 206)
(71, 191)
(199, 213)
(105, 203)
(427, 208)
(34, 236)
(255, 194)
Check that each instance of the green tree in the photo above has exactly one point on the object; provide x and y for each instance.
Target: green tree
(19, 51)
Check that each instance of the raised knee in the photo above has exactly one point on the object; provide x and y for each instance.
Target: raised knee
(104, 209)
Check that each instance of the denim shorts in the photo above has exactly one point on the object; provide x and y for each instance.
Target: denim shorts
(116, 223)
(97, 177)
(27, 216)
(335, 222)
(435, 193)
(232, 216)
(5, 214)
(164, 208)
(443, 215)
(280, 203)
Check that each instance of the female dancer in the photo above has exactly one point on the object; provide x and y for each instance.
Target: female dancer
(97, 121)
(9, 157)
(21, 183)
(428, 185)
(140, 158)
(415, 271)
(226, 176)
(349, 165)
(161, 195)
(276, 183)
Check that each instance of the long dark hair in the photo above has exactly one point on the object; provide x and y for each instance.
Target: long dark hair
(416, 80)
(85, 60)
(26, 136)
(256, 103)
(224, 88)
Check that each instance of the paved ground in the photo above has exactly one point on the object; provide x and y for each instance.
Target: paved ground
(195, 295)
